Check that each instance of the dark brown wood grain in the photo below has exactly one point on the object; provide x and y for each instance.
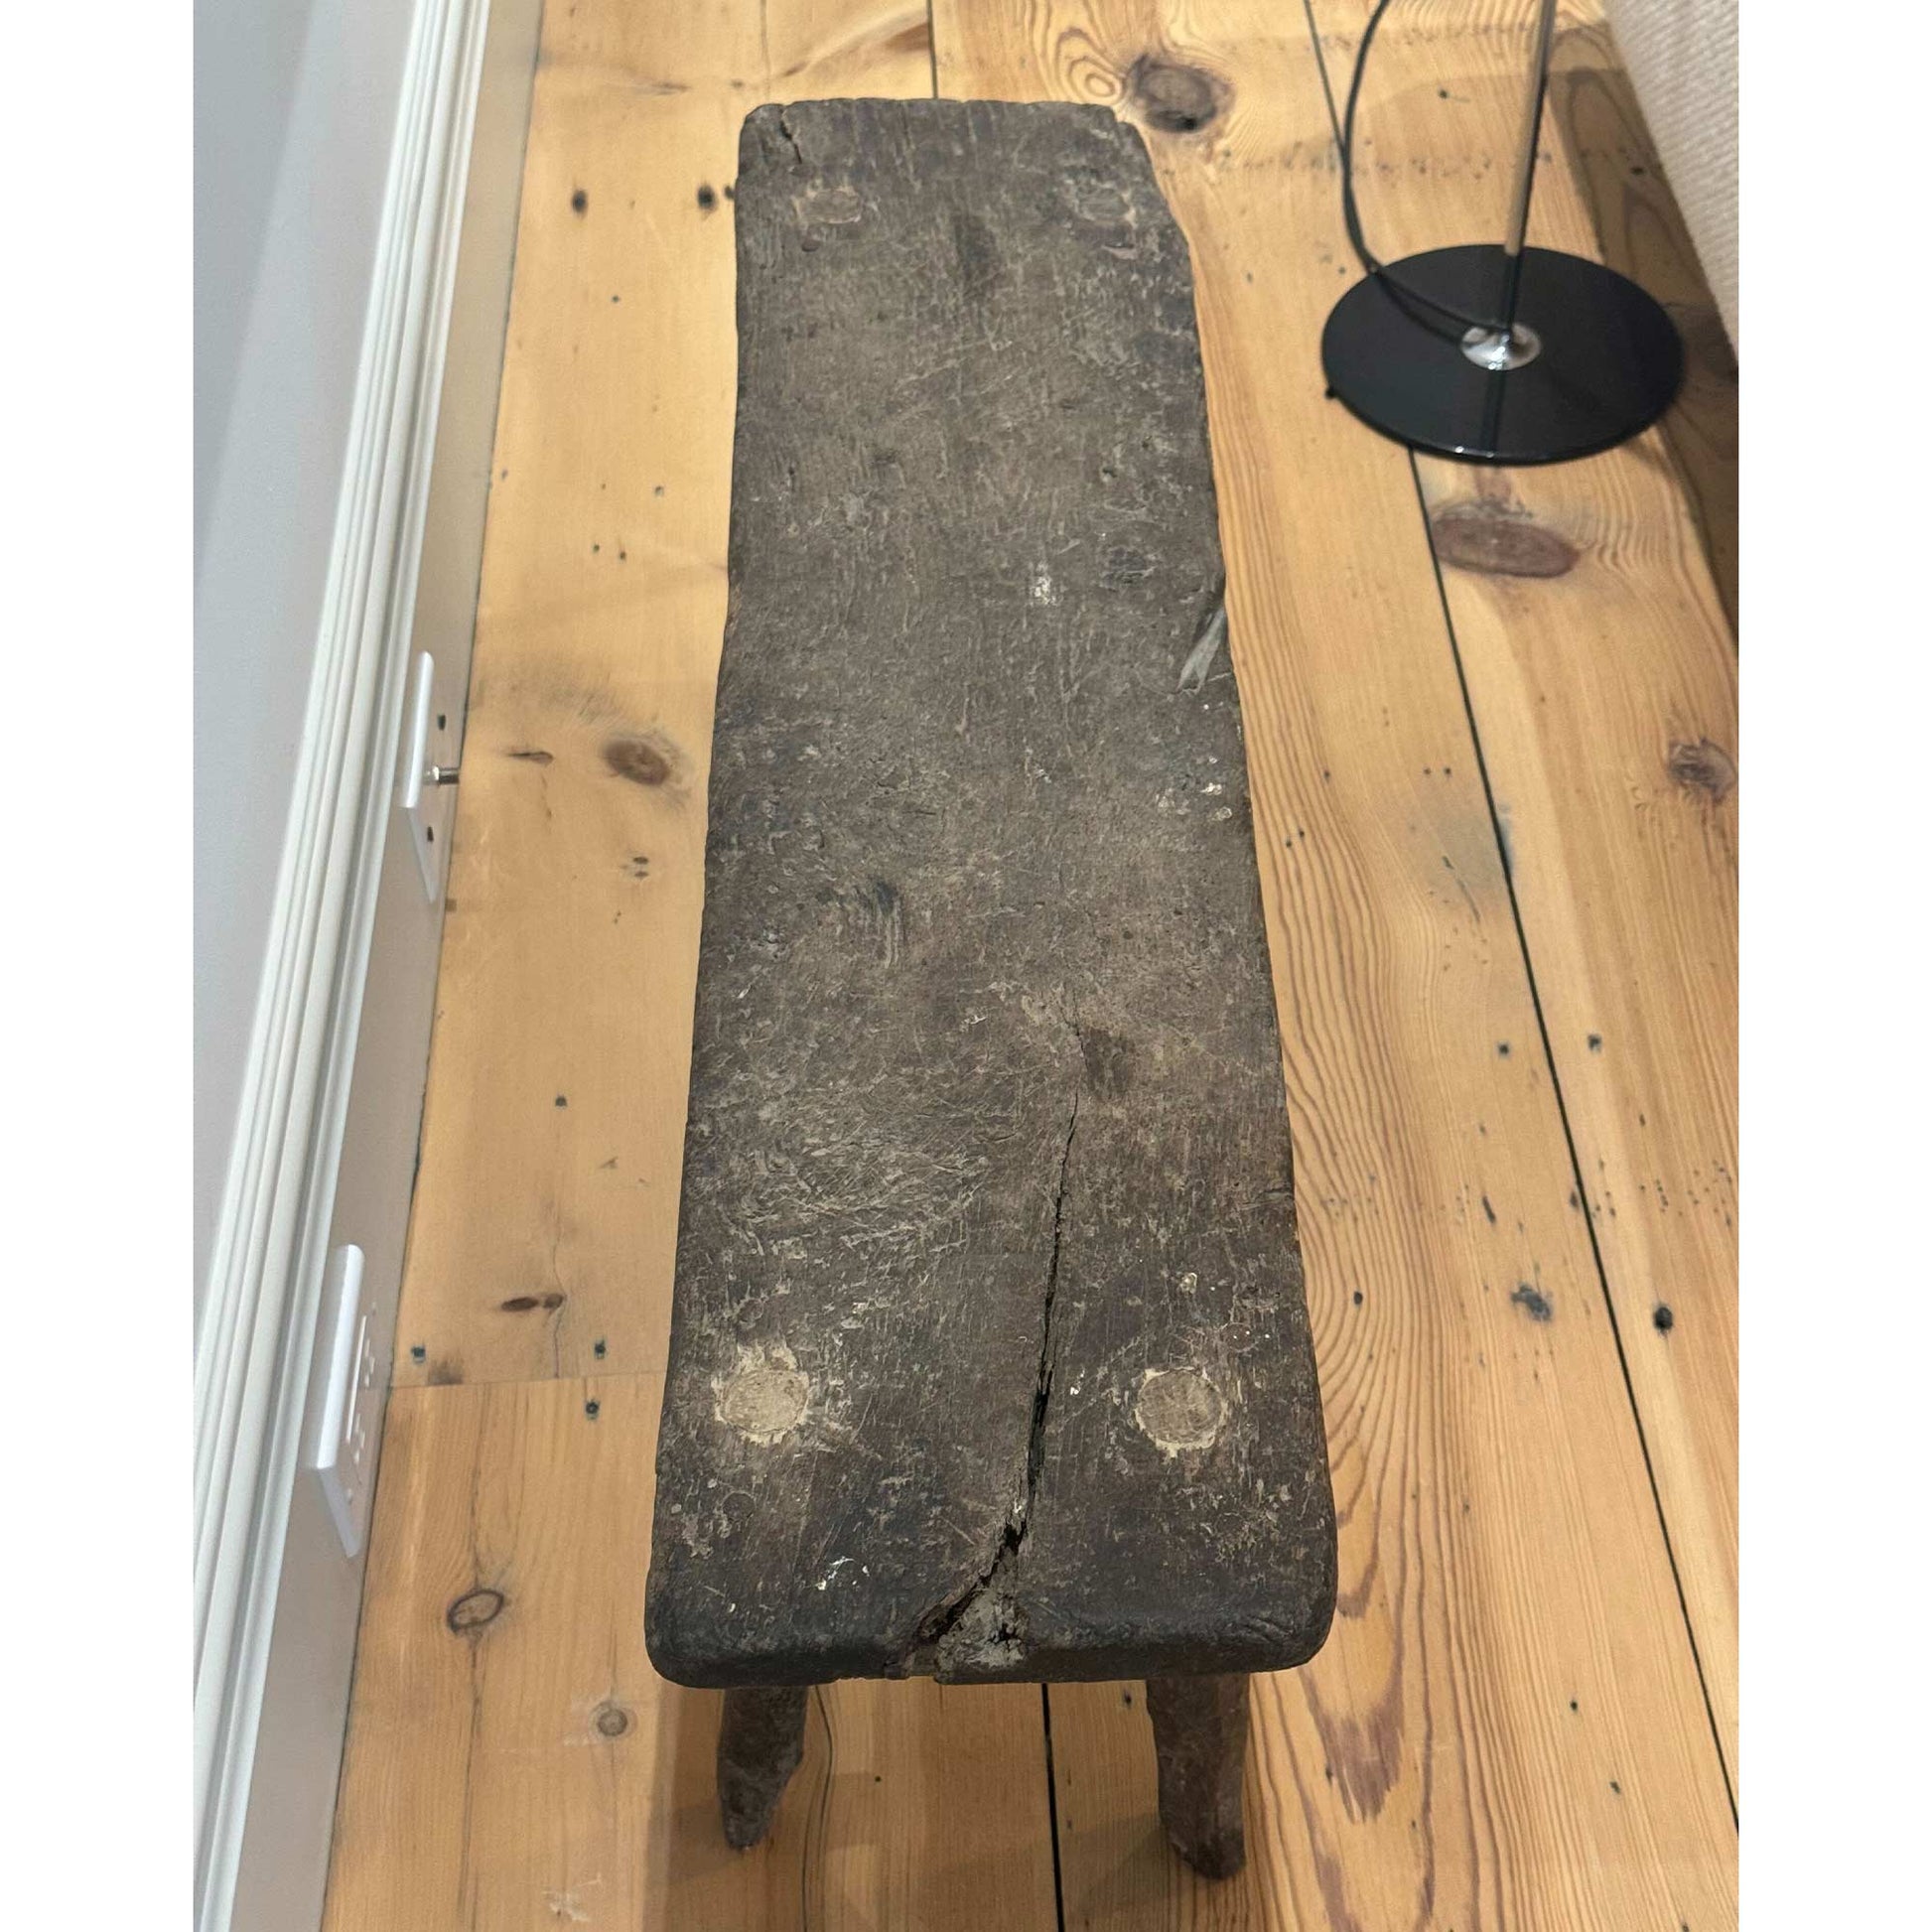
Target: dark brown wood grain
(989, 1357)
(1200, 1745)
(761, 1738)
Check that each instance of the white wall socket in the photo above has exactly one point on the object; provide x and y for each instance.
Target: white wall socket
(346, 1392)
(427, 803)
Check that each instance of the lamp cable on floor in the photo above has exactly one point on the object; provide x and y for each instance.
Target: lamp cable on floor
(1351, 214)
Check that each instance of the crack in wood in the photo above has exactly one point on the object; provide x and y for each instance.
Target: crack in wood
(1004, 1634)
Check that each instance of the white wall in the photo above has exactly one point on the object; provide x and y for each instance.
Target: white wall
(295, 116)
(246, 59)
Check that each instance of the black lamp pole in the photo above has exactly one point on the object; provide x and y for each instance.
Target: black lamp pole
(1577, 359)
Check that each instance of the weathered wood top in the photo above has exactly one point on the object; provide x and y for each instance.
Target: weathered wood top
(989, 1357)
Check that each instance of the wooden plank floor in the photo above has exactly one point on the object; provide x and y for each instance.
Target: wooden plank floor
(1605, 699)
(1496, 822)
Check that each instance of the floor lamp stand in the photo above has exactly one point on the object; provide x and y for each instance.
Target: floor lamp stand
(1574, 360)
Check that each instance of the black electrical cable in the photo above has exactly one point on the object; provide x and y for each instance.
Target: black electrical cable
(1351, 216)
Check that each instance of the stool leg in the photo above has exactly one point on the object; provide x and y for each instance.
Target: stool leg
(1201, 1739)
(759, 1744)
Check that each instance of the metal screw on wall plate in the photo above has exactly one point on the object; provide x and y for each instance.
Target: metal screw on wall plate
(443, 775)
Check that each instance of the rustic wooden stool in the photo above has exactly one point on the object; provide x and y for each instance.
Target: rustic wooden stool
(989, 1358)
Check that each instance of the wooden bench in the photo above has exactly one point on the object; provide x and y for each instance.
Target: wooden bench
(989, 1358)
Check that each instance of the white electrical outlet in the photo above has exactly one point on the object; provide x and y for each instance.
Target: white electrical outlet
(425, 794)
(346, 1393)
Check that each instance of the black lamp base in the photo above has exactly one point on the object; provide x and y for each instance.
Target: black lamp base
(1594, 359)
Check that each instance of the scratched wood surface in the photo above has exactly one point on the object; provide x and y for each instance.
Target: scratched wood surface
(1602, 673)
(1507, 1725)
(989, 1309)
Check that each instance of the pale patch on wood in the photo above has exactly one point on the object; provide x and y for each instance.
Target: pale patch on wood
(1180, 1409)
(764, 1397)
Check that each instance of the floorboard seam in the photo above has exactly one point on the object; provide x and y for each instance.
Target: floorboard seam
(1569, 1139)
(1053, 1808)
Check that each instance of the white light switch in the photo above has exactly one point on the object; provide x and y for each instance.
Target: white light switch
(345, 1399)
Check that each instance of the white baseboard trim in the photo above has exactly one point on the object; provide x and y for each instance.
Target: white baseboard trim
(252, 1352)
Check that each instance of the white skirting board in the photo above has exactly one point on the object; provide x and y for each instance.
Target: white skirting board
(344, 926)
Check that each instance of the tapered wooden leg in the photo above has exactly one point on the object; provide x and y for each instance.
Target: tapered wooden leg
(759, 1744)
(1201, 1739)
